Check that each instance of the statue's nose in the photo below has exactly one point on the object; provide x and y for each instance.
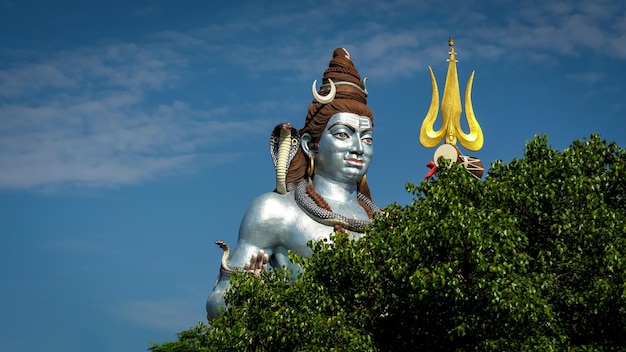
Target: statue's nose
(357, 146)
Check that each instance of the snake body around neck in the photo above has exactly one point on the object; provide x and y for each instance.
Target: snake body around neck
(330, 218)
(284, 143)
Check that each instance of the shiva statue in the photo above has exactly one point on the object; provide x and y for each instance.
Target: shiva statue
(321, 186)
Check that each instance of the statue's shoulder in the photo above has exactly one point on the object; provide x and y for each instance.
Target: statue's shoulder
(272, 207)
(269, 220)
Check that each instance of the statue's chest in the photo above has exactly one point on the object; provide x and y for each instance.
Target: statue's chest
(307, 229)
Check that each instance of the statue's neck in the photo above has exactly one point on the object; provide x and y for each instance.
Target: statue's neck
(335, 191)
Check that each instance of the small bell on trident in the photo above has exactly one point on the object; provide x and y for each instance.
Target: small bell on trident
(450, 130)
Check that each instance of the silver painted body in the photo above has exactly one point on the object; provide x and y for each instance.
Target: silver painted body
(275, 223)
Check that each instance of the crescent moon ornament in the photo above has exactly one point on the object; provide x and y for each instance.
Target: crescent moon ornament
(324, 99)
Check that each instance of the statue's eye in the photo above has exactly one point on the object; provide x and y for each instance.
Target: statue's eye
(367, 140)
(341, 135)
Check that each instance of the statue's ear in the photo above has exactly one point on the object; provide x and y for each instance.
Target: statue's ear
(304, 143)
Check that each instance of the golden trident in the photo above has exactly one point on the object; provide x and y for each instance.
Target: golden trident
(451, 111)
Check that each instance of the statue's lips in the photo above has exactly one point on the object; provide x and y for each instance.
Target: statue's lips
(355, 162)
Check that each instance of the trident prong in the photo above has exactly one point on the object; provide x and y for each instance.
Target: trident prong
(451, 112)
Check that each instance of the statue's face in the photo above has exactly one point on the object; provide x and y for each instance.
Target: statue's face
(345, 148)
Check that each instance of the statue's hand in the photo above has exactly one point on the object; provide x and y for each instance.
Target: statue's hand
(257, 263)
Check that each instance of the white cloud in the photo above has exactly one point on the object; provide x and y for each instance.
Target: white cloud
(586, 77)
(545, 29)
(82, 118)
(537, 32)
(14, 82)
(85, 116)
(123, 66)
(103, 142)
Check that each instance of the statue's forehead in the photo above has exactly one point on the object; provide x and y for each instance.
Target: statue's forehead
(365, 122)
(351, 119)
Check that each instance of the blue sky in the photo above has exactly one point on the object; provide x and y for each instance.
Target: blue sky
(133, 135)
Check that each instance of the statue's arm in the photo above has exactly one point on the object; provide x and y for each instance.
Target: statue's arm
(258, 231)
(215, 302)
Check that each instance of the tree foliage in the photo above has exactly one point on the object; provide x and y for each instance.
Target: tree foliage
(531, 258)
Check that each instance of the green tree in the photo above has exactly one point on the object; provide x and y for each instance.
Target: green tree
(531, 258)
